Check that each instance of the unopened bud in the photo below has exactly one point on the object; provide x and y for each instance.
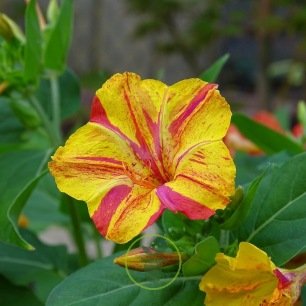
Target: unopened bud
(9, 29)
(147, 259)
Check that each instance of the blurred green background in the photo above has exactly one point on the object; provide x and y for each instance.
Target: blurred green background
(175, 39)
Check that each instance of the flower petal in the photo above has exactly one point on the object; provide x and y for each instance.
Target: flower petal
(125, 211)
(196, 113)
(131, 108)
(93, 161)
(202, 183)
(247, 279)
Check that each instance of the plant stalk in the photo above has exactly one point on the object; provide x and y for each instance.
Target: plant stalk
(77, 231)
(45, 120)
(224, 238)
(56, 100)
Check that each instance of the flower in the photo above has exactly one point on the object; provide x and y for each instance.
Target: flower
(148, 147)
(251, 279)
(298, 130)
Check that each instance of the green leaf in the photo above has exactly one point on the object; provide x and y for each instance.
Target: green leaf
(173, 224)
(241, 212)
(211, 74)
(265, 138)
(40, 270)
(59, 40)
(41, 216)
(69, 93)
(16, 295)
(203, 259)
(249, 167)
(25, 112)
(10, 127)
(276, 221)
(33, 47)
(303, 295)
(21, 171)
(13, 136)
(104, 283)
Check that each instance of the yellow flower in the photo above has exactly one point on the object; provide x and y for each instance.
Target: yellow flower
(251, 279)
(148, 147)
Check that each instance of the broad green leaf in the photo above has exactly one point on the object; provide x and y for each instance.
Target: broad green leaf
(69, 94)
(265, 138)
(41, 269)
(104, 283)
(13, 135)
(276, 221)
(21, 172)
(16, 295)
(203, 258)
(211, 74)
(10, 127)
(33, 47)
(247, 167)
(43, 208)
(59, 40)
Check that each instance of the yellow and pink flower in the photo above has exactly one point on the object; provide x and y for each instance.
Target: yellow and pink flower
(252, 279)
(148, 147)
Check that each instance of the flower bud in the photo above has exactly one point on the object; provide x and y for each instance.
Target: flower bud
(9, 29)
(147, 259)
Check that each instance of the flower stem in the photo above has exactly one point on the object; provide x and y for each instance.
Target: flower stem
(224, 238)
(97, 240)
(77, 231)
(45, 120)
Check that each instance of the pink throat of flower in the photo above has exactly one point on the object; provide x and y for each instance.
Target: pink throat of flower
(283, 281)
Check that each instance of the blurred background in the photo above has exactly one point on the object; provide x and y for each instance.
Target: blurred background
(176, 39)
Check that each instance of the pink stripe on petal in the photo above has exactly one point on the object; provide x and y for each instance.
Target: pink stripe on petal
(98, 115)
(177, 202)
(149, 160)
(109, 204)
(201, 95)
(155, 132)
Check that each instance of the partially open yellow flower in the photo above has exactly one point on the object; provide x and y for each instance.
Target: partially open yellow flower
(250, 279)
(148, 147)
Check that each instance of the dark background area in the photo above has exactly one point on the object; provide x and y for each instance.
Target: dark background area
(175, 39)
